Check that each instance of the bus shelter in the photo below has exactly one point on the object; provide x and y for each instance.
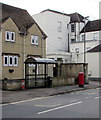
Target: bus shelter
(38, 72)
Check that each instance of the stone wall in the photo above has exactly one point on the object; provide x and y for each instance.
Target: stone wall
(68, 74)
(16, 84)
(62, 81)
(11, 84)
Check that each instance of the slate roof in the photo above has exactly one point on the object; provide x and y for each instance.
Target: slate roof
(92, 26)
(76, 17)
(21, 17)
(95, 49)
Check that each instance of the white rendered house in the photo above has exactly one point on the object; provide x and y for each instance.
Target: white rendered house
(56, 26)
(91, 40)
(92, 32)
(94, 63)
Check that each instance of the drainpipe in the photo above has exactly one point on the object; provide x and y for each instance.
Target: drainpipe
(43, 47)
(23, 54)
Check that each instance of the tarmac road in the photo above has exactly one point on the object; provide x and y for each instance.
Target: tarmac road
(14, 96)
(77, 104)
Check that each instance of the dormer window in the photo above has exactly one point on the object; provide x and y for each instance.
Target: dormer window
(10, 36)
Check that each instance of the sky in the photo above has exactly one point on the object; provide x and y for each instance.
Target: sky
(84, 7)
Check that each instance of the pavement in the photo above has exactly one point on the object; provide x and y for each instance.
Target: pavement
(20, 95)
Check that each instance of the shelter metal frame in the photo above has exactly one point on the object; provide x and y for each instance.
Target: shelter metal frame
(37, 61)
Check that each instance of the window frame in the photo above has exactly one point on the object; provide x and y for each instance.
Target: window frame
(7, 33)
(15, 64)
(10, 33)
(73, 27)
(33, 43)
(7, 60)
(11, 64)
(36, 39)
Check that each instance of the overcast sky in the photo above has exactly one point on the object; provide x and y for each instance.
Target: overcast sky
(84, 7)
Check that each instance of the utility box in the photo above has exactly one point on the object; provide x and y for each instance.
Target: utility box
(81, 79)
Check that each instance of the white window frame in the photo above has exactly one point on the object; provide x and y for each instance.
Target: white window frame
(12, 61)
(36, 40)
(15, 64)
(13, 36)
(7, 32)
(10, 36)
(32, 39)
(4, 60)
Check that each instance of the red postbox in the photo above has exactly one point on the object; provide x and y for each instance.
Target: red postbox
(81, 79)
(23, 84)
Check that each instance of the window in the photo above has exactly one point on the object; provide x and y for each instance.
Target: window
(5, 60)
(83, 37)
(7, 36)
(34, 40)
(10, 61)
(59, 27)
(95, 36)
(15, 60)
(73, 27)
(10, 36)
(73, 40)
(67, 26)
(77, 50)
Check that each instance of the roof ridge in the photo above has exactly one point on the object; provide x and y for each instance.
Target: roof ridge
(62, 13)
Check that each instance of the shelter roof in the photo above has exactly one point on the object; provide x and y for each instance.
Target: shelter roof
(33, 60)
